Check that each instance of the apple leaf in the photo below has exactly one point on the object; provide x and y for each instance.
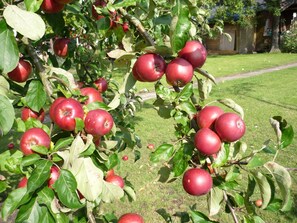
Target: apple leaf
(128, 83)
(30, 159)
(116, 101)
(7, 115)
(87, 176)
(64, 75)
(232, 174)
(9, 52)
(33, 212)
(29, 24)
(117, 53)
(46, 196)
(180, 26)
(284, 182)
(199, 217)
(186, 92)
(66, 186)
(222, 156)
(206, 74)
(39, 175)
(4, 86)
(204, 88)
(264, 186)
(233, 105)
(130, 192)
(162, 153)
(287, 136)
(215, 197)
(36, 95)
(161, 50)
(187, 107)
(256, 161)
(33, 5)
(13, 201)
(125, 3)
(62, 143)
(180, 160)
(111, 192)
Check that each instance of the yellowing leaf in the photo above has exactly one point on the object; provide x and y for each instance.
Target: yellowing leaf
(29, 24)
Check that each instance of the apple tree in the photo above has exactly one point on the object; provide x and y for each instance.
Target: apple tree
(68, 74)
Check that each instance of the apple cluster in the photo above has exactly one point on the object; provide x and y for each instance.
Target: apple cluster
(216, 126)
(113, 17)
(151, 67)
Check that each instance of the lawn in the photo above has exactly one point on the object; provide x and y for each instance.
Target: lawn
(261, 97)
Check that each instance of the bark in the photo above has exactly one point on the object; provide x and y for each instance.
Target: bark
(275, 34)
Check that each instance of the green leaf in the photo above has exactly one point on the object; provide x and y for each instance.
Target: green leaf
(284, 182)
(124, 3)
(33, 5)
(264, 186)
(9, 52)
(163, 152)
(36, 95)
(239, 200)
(165, 215)
(186, 92)
(188, 107)
(33, 212)
(249, 192)
(215, 198)
(130, 192)
(56, 21)
(13, 201)
(287, 136)
(204, 88)
(62, 143)
(233, 173)
(112, 161)
(30, 159)
(97, 105)
(180, 26)
(275, 205)
(257, 219)
(46, 196)
(256, 161)
(128, 83)
(199, 217)
(29, 24)
(111, 192)
(66, 186)
(4, 86)
(39, 175)
(7, 115)
(181, 158)
(222, 156)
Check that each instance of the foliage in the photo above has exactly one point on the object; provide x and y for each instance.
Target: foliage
(97, 48)
(288, 43)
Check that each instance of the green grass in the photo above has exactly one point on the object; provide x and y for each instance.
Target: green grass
(225, 65)
(261, 97)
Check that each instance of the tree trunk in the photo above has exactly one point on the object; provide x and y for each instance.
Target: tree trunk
(275, 34)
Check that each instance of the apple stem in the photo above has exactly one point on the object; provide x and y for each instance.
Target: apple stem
(230, 207)
(139, 26)
(40, 69)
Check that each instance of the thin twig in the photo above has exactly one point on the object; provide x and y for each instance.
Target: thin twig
(138, 25)
(230, 207)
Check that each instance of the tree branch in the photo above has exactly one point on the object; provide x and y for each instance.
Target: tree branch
(138, 25)
(40, 69)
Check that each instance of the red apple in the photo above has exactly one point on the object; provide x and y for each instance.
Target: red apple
(34, 137)
(125, 27)
(51, 6)
(116, 180)
(125, 158)
(136, 75)
(54, 175)
(179, 72)
(53, 107)
(149, 67)
(101, 84)
(27, 113)
(197, 181)
(22, 71)
(259, 202)
(65, 113)
(109, 173)
(61, 47)
(150, 146)
(230, 127)
(207, 141)
(92, 94)
(207, 116)
(194, 52)
(98, 122)
(10, 145)
(23, 182)
(131, 218)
